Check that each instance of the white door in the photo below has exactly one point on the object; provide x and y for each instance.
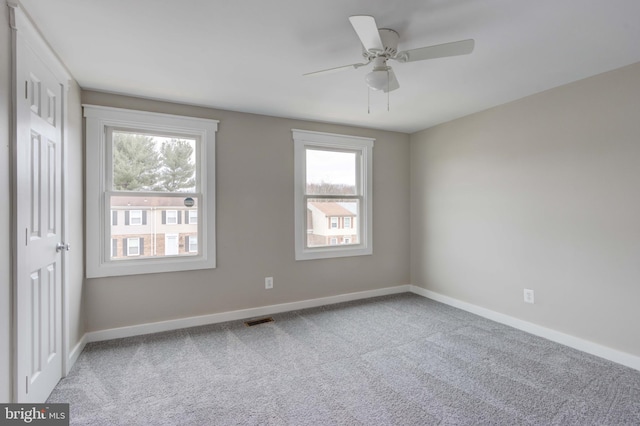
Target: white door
(38, 180)
(171, 244)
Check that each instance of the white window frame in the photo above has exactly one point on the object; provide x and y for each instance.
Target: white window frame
(304, 140)
(98, 120)
(335, 222)
(344, 222)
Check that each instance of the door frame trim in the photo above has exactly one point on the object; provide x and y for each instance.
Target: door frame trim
(23, 27)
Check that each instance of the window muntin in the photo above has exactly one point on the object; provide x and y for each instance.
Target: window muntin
(333, 195)
(175, 175)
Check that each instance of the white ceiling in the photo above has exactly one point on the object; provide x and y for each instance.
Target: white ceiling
(249, 55)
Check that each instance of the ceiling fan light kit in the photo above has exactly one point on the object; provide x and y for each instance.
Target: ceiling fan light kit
(380, 45)
(378, 79)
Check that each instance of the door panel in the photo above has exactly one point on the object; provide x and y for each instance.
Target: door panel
(39, 224)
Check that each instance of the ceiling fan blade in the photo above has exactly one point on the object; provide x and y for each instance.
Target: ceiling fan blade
(367, 30)
(393, 82)
(455, 48)
(336, 69)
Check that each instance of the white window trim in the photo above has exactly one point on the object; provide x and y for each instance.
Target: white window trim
(304, 139)
(98, 119)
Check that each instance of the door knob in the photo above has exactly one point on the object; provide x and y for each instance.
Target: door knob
(62, 246)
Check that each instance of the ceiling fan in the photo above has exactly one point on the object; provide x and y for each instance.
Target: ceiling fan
(380, 45)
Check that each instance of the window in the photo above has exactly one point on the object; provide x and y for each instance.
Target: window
(133, 246)
(333, 175)
(152, 168)
(171, 217)
(135, 217)
(192, 243)
(192, 217)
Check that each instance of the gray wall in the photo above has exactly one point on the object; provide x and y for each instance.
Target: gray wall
(5, 243)
(542, 193)
(255, 227)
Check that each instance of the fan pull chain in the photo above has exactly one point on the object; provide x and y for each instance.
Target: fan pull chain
(368, 100)
(388, 91)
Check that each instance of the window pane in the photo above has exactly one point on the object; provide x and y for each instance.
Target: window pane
(330, 172)
(147, 162)
(152, 227)
(332, 222)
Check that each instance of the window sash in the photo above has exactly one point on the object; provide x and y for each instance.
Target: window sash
(109, 130)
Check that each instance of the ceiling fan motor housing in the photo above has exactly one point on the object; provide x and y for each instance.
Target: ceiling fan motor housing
(390, 42)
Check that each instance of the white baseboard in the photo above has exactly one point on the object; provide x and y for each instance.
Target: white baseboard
(589, 347)
(136, 330)
(75, 353)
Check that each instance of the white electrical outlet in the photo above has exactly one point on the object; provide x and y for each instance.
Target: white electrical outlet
(268, 282)
(528, 295)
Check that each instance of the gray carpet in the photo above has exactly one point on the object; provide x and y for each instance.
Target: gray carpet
(393, 360)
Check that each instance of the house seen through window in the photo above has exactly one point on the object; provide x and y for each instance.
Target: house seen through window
(163, 168)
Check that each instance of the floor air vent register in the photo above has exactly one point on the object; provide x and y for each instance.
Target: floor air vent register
(258, 321)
